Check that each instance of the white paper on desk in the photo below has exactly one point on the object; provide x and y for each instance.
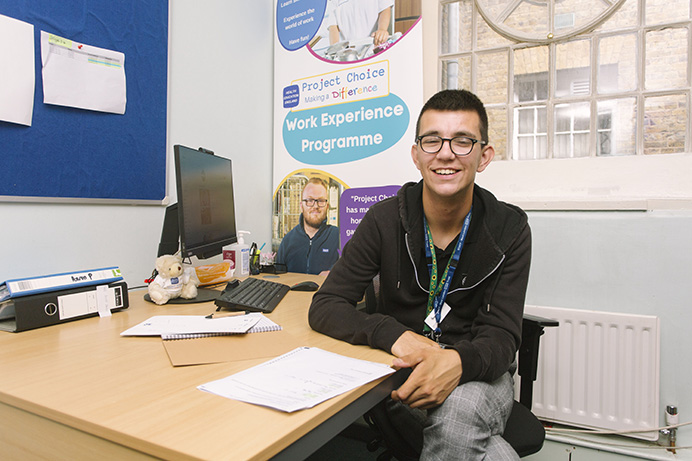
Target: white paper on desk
(17, 70)
(83, 76)
(170, 324)
(263, 324)
(297, 380)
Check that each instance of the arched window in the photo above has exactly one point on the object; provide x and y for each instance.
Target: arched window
(583, 80)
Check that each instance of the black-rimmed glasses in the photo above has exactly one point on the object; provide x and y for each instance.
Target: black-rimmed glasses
(460, 145)
(310, 202)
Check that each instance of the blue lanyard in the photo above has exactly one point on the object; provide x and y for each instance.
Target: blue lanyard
(437, 292)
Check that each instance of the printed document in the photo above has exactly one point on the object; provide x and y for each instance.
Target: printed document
(297, 380)
(83, 76)
(17, 71)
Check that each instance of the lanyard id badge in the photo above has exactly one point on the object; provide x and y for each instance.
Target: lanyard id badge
(437, 307)
(431, 319)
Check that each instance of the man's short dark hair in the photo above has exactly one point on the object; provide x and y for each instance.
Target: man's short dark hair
(456, 101)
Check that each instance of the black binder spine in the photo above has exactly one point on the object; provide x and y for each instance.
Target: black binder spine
(51, 308)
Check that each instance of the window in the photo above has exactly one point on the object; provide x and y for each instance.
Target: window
(602, 80)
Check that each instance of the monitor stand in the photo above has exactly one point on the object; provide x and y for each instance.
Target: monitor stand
(204, 295)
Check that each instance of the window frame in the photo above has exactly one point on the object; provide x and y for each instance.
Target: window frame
(630, 182)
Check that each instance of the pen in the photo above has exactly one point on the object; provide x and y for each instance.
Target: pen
(217, 315)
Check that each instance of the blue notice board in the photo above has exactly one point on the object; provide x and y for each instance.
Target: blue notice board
(81, 154)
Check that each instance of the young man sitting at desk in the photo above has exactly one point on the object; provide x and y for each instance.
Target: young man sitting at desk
(312, 247)
(453, 317)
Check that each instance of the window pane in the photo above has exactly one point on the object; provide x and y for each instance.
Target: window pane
(617, 127)
(525, 148)
(563, 120)
(605, 143)
(526, 124)
(541, 147)
(605, 119)
(581, 117)
(497, 131)
(531, 138)
(456, 73)
(617, 63)
(492, 71)
(572, 130)
(542, 120)
(666, 59)
(486, 37)
(659, 11)
(529, 18)
(625, 16)
(562, 146)
(581, 145)
(524, 90)
(530, 73)
(577, 12)
(456, 27)
(665, 121)
(542, 89)
(573, 65)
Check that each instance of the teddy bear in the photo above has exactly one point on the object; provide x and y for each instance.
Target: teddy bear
(173, 280)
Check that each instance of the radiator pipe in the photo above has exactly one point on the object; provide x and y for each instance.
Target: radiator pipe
(671, 420)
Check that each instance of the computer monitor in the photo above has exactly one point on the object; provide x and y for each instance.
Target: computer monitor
(202, 222)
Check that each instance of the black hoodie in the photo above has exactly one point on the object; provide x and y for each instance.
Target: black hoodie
(486, 295)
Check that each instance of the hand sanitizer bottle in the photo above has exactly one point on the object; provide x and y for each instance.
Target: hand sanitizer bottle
(241, 255)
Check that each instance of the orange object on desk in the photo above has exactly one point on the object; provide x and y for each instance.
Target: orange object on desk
(212, 274)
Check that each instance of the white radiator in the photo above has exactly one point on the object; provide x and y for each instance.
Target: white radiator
(599, 370)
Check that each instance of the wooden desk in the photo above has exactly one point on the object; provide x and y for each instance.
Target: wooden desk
(81, 391)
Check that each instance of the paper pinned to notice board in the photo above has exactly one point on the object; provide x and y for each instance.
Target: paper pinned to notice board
(17, 70)
(82, 76)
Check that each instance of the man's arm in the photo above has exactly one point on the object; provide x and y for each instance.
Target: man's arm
(384, 18)
(496, 329)
(333, 34)
(333, 311)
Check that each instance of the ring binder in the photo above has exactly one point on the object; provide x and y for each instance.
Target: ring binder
(50, 308)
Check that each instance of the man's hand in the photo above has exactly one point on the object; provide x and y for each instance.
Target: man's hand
(384, 20)
(436, 371)
(410, 342)
(379, 37)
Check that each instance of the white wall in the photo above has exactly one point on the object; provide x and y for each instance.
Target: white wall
(628, 262)
(221, 81)
(220, 92)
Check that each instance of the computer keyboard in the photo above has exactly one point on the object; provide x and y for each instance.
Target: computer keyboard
(252, 294)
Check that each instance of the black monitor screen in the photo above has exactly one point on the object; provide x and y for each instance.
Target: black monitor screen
(206, 212)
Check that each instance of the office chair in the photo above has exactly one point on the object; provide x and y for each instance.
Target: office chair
(402, 435)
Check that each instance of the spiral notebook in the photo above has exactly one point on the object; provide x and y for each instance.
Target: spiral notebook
(263, 324)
